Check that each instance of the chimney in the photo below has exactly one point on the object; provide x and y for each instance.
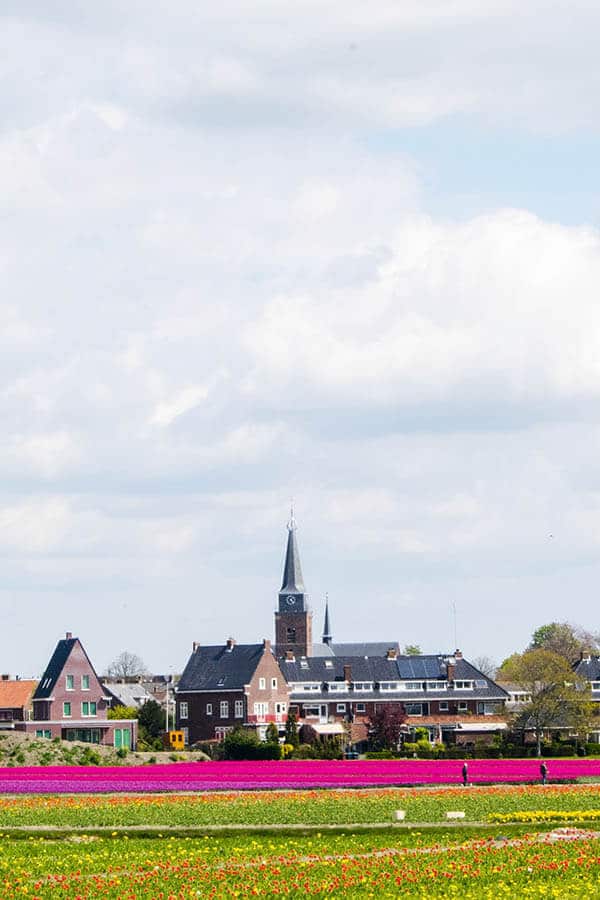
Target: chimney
(348, 673)
(6, 678)
(289, 656)
(195, 646)
(458, 654)
(450, 668)
(266, 644)
(69, 635)
(230, 644)
(392, 653)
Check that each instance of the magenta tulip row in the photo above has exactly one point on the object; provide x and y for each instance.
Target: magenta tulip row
(285, 774)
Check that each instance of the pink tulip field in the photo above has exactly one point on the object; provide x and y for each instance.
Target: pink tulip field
(205, 776)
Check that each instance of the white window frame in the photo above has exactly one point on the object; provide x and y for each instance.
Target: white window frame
(85, 682)
(67, 715)
(463, 706)
(340, 707)
(444, 706)
(273, 684)
(239, 709)
(437, 685)
(69, 682)
(338, 687)
(262, 684)
(463, 685)
(224, 709)
(183, 709)
(261, 710)
(595, 686)
(416, 703)
(186, 735)
(310, 686)
(412, 686)
(389, 686)
(209, 707)
(361, 707)
(363, 685)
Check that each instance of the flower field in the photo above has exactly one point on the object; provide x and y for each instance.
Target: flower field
(555, 865)
(315, 807)
(201, 776)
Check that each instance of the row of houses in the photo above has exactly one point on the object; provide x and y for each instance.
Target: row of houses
(332, 688)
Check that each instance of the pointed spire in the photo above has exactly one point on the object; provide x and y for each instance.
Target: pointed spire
(327, 636)
(292, 573)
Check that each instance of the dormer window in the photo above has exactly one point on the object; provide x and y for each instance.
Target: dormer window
(463, 685)
(328, 664)
(221, 681)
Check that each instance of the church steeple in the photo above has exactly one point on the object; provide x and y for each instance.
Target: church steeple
(327, 635)
(292, 573)
(293, 619)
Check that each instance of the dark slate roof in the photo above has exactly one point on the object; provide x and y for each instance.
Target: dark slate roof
(315, 668)
(217, 668)
(588, 668)
(361, 648)
(54, 668)
(293, 582)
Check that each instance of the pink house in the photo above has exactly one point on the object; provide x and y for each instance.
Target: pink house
(71, 702)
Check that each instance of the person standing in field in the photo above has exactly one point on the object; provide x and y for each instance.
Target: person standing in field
(544, 772)
(465, 774)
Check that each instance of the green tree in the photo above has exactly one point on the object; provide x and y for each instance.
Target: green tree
(291, 730)
(385, 727)
(558, 697)
(412, 650)
(272, 733)
(151, 717)
(122, 712)
(569, 641)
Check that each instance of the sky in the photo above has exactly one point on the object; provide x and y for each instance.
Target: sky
(344, 253)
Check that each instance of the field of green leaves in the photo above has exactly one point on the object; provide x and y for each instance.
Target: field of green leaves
(295, 807)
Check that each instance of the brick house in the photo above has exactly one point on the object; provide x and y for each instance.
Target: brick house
(228, 685)
(446, 695)
(15, 700)
(71, 703)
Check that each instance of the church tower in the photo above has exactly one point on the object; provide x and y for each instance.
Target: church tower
(293, 618)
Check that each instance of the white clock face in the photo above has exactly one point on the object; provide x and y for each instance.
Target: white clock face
(290, 601)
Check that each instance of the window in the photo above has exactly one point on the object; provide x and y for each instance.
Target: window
(290, 635)
(274, 683)
(224, 709)
(487, 708)
(186, 736)
(363, 685)
(443, 706)
(412, 686)
(480, 683)
(310, 686)
(221, 681)
(338, 687)
(328, 664)
(340, 707)
(70, 682)
(280, 708)
(360, 707)
(88, 708)
(388, 685)
(311, 711)
(303, 663)
(66, 710)
(463, 685)
(436, 685)
(595, 685)
(239, 709)
(183, 709)
(85, 682)
(414, 709)
(262, 684)
(43, 733)
(209, 709)
(463, 706)
(220, 732)
(261, 711)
